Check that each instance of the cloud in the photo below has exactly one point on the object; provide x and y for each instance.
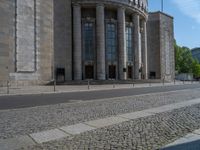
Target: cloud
(190, 8)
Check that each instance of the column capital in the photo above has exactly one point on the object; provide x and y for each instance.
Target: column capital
(121, 8)
(135, 15)
(143, 26)
(76, 4)
(100, 5)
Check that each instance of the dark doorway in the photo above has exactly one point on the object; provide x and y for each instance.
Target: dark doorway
(152, 75)
(129, 75)
(89, 72)
(60, 74)
(112, 72)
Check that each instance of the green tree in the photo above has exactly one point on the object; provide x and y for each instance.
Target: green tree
(184, 59)
(196, 68)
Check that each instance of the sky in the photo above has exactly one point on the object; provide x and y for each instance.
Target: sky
(186, 15)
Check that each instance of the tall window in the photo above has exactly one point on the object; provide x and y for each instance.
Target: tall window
(129, 44)
(111, 45)
(88, 41)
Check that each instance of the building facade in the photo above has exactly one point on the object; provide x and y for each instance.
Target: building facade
(83, 39)
(196, 53)
(26, 41)
(161, 55)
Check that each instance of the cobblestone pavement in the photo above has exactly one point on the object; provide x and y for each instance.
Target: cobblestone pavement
(31, 120)
(148, 133)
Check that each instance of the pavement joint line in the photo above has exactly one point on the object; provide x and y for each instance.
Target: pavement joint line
(32, 138)
(84, 90)
(57, 133)
(64, 131)
(89, 125)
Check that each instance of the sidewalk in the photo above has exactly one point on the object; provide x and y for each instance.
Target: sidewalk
(22, 90)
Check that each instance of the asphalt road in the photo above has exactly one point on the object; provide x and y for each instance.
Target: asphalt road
(23, 101)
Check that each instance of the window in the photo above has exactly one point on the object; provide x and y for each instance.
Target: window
(111, 45)
(88, 41)
(129, 43)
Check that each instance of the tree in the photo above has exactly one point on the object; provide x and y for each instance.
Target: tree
(183, 59)
(196, 68)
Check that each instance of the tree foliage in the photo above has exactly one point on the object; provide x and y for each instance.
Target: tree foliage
(196, 68)
(184, 61)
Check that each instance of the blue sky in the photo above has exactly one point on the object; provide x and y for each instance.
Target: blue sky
(186, 15)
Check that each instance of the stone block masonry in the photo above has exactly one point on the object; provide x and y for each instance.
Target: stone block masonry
(26, 40)
(25, 36)
(6, 37)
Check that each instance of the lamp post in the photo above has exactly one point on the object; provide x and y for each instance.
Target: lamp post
(162, 5)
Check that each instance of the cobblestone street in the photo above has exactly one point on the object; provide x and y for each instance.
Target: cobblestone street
(148, 133)
(142, 133)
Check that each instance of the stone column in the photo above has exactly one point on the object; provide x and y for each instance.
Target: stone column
(137, 53)
(100, 31)
(144, 50)
(121, 43)
(77, 54)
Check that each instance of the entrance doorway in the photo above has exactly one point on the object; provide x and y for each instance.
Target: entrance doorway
(129, 75)
(89, 72)
(112, 72)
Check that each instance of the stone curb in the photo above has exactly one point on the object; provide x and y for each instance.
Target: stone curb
(86, 90)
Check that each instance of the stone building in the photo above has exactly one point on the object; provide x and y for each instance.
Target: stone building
(26, 40)
(84, 39)
(196, 53)
(161, 60)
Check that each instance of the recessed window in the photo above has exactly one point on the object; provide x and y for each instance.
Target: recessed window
(88, 41)
(111, 45)
(129, 43)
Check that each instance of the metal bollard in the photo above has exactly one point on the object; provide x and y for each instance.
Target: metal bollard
(113, 84)
(54, 85)
(163, 82)
(8, 89)
(149, 83)
(174, 81)
(88, 84)
(133, 85)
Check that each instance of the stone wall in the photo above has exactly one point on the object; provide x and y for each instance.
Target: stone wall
(161, 45)
(7, 13)
(45, 41)
(25, 36)
(167, 47)
(26, 40)
(63, 36)
(153, 26)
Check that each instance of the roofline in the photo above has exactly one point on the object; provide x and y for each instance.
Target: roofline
(197, 48)
(162, 14)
